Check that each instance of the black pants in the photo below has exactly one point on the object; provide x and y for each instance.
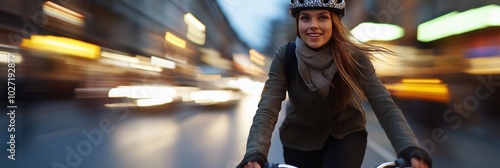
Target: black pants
(339, 153)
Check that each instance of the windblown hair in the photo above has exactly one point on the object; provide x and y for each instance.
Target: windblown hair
(347, 53)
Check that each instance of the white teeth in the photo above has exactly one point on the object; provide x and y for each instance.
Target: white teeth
(314, 35)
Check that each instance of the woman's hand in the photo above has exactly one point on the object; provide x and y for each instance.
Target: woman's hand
(417, 157)
(418, 163)
(251, 165)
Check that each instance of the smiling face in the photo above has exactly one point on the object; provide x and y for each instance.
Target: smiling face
(315, 27)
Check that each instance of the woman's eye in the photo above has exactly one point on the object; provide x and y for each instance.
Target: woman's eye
(324, 17)
(304, 18)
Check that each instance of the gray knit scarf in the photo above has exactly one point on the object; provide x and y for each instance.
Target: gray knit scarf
(316, 67)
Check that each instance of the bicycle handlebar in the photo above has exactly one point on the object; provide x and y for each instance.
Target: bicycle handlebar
(399, 163)
(278, 165)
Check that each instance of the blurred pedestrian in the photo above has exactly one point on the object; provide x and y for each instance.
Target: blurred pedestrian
(331, 74)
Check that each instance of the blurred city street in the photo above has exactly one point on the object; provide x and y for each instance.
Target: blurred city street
(175, 84)
(71, 134)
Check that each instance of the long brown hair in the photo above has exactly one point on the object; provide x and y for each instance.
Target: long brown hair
(347, 53)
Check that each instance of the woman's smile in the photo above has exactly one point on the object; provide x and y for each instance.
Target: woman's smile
(314, 36)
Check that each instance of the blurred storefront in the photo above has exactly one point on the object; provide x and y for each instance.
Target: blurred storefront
(69, 45)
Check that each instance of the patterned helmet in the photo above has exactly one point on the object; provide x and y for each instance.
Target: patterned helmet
(337, 6)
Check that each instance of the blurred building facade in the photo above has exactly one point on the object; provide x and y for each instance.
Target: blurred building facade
(193, 37)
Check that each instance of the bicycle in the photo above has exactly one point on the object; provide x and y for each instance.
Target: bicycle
(399, 163)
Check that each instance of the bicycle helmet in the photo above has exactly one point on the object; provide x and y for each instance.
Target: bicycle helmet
(337, 6)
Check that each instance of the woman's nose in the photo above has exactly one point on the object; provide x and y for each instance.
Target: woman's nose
(314, 24)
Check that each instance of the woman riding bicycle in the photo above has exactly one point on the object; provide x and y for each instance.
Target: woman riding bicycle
(325, 123)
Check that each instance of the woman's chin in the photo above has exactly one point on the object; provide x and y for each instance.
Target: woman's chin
(314, 45)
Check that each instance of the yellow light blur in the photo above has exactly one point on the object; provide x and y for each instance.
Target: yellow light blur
(153, 101)
(119, 57)
(62, 45)
(427, 91)
(443, 98)
(257, 57)
(430, 81)
(162, 62)
(414, 87)
(62, 13)
(176, 41)
(190, 19)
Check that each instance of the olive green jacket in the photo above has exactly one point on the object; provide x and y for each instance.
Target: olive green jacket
(310, 119)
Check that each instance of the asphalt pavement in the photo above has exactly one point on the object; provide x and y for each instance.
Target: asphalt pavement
(64, 134)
